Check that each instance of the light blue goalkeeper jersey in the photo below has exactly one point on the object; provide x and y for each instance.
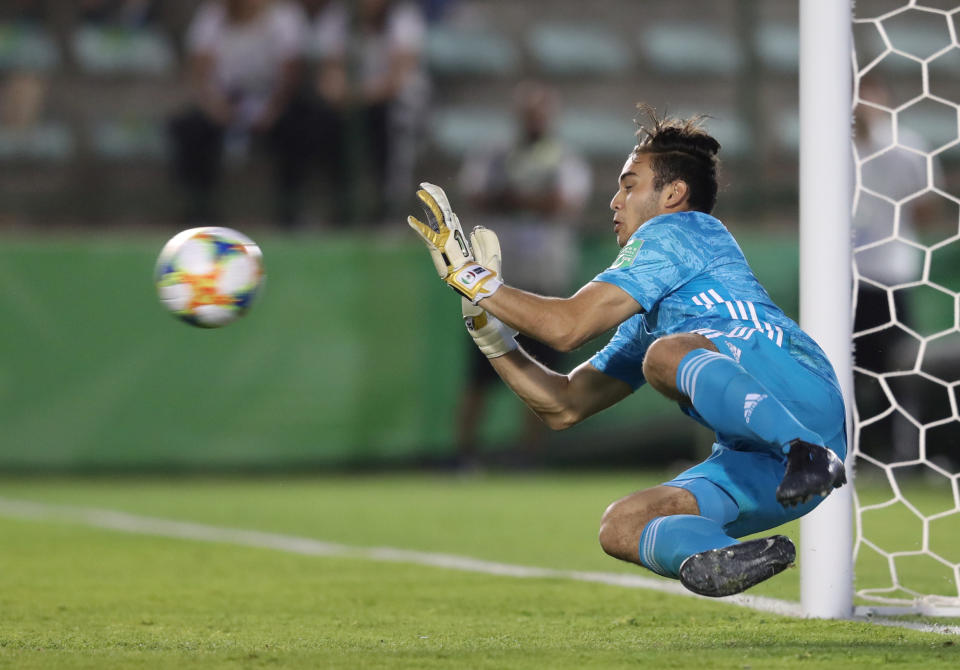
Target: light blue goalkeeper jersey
(690, 275)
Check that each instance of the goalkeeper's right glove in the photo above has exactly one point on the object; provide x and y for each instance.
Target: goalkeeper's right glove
(491, 335)
(451, 254)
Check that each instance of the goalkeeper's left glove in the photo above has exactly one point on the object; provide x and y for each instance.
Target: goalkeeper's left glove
(449, 248)
(491, 335)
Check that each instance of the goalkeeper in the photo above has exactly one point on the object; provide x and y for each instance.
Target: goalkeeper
(694, 323)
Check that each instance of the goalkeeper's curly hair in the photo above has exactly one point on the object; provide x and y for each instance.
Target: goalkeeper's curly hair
(680, 149)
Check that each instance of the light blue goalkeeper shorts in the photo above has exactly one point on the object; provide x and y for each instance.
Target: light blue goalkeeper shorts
(747, 475)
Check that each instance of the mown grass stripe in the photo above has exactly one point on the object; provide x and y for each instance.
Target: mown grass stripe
(184, 530)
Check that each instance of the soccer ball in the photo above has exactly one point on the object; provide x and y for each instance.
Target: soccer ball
(209, 276)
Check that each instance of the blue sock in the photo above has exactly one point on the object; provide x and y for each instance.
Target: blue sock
(735, 404)
(668, 540)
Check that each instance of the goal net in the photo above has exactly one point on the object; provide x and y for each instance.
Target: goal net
(906, 277)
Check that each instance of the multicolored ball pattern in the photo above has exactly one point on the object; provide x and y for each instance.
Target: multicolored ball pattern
(209, 276)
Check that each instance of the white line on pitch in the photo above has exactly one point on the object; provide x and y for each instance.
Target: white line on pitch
(145, 525)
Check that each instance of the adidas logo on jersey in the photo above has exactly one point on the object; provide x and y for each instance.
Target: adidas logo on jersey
(750, 403)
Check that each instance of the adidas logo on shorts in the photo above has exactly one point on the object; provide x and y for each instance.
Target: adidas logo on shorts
(750, 403)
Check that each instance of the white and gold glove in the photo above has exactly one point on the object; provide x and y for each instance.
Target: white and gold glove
(449, 249)
(492, 336)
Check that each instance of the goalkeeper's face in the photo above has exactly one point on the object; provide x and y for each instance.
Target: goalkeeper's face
(636, 200)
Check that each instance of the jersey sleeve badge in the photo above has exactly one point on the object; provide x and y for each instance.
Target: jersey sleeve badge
(627, 255)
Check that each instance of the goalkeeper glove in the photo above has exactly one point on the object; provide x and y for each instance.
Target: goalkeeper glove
(492, 336)
(449, 249)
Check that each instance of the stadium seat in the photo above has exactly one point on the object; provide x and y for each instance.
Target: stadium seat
(50, 142)
(927, 125)
(787, 131)
(128, 139)
(918, 33)
(568, 49)
(25, 47)
(116, 50)
(730, 131)
(456, 131)
(685, 48)
(726, 126)
(455, 51)
(597, 134)
(933, 128)
(778, 45)
(911, 36)
(605, 134)
(723, 124)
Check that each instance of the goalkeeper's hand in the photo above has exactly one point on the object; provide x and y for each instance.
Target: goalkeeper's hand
(492, 336)
(449, 248)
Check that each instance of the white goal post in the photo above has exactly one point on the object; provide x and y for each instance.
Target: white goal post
(884, 546)
(826, 166)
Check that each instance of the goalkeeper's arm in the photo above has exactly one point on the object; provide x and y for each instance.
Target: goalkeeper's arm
(559, 400)
(563, 323)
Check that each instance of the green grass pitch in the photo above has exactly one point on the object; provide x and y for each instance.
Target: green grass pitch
(73, 596)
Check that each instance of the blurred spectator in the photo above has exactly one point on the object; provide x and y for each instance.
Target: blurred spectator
(25, 131)
(896, 173)
(326, 47)
(28, 52)
(531, 195)
(22, 98)
(370, 69)
(245, 69)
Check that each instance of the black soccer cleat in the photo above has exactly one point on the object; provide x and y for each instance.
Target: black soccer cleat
(729, 570)
(811, 470)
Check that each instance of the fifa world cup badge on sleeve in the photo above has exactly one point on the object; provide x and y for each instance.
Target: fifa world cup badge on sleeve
(627, 255)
